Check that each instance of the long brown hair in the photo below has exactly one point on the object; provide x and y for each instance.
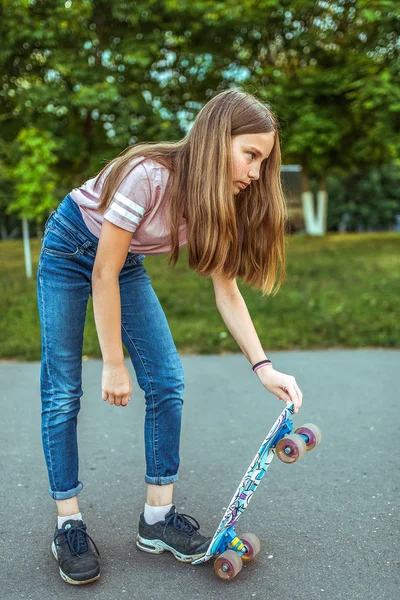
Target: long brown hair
(241, 236)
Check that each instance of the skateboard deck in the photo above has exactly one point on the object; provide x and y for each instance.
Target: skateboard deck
(225, 536)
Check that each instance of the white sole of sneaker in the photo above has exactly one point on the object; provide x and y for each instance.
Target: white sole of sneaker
(158, 547)
(65, 577)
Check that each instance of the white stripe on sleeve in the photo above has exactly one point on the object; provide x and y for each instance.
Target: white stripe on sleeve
(132, 205)
(125, 213)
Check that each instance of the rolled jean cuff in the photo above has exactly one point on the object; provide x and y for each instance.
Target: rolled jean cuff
(68, 494)
(161, 480)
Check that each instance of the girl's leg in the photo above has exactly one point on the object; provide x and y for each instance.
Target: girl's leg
(147, 336)
(63, 280)
(63, 292)
(67, 507)
(159, 495)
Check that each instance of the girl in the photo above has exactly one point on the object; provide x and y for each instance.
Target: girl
(218, 191)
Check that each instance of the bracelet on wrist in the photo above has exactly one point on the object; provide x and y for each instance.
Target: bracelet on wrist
(260, 364)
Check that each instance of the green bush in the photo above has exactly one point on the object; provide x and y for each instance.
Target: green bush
(365, 201)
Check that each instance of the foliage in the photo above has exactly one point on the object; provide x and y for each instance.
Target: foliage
(367, 200)
(97, 76)
(35, 180)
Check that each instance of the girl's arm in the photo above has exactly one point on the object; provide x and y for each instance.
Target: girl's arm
(233, 310)
(110, 257)
(235, 314)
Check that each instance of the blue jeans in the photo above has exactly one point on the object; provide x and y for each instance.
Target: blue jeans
(64, 284)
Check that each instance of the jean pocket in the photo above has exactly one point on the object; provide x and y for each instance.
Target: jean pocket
(57, 243)
(48, 221)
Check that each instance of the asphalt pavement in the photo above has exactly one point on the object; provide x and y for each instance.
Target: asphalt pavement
(328, 524)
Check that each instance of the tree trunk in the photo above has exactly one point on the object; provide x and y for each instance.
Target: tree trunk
(315, 218)
(27, 248)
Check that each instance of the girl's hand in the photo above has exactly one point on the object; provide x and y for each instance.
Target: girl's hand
(283, 386)
(116, 385)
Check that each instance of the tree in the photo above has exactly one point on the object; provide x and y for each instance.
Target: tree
(35, 181)
(98, 76)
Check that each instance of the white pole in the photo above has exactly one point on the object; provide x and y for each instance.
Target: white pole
(315, 221)
(27, 248)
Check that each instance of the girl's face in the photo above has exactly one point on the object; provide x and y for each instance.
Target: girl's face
(248, 152)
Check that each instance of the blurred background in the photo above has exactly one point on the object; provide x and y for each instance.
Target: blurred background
(80, 81)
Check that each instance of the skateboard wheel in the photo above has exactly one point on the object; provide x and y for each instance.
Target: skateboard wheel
(313, 433)
(290, 448)
(228, 565)
(252, 544)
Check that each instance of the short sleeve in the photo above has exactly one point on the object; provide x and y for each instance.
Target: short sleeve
(131, 201)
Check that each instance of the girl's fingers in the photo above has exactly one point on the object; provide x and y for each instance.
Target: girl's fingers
(294, 397)
(299, 394)
(125, 399)
(290, 396)
(284, 395)
(112, 399)
(122, 400)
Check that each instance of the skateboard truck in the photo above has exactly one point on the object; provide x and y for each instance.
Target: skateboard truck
(231, 540)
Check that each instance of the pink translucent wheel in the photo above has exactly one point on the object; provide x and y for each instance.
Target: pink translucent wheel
(252, 544)
(228, 565)
(290, 448)
(313, 434)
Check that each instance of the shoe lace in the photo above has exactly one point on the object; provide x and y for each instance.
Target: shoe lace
(181, 522)
(76, 537)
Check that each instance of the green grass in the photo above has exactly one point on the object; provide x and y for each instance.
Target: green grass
(341, 291)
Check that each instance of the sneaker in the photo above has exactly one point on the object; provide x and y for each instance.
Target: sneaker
(176, 534)
(76, 553)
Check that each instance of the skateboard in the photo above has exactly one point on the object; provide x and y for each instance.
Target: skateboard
(231, 551)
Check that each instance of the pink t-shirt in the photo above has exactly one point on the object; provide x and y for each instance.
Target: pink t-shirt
(137, 206)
